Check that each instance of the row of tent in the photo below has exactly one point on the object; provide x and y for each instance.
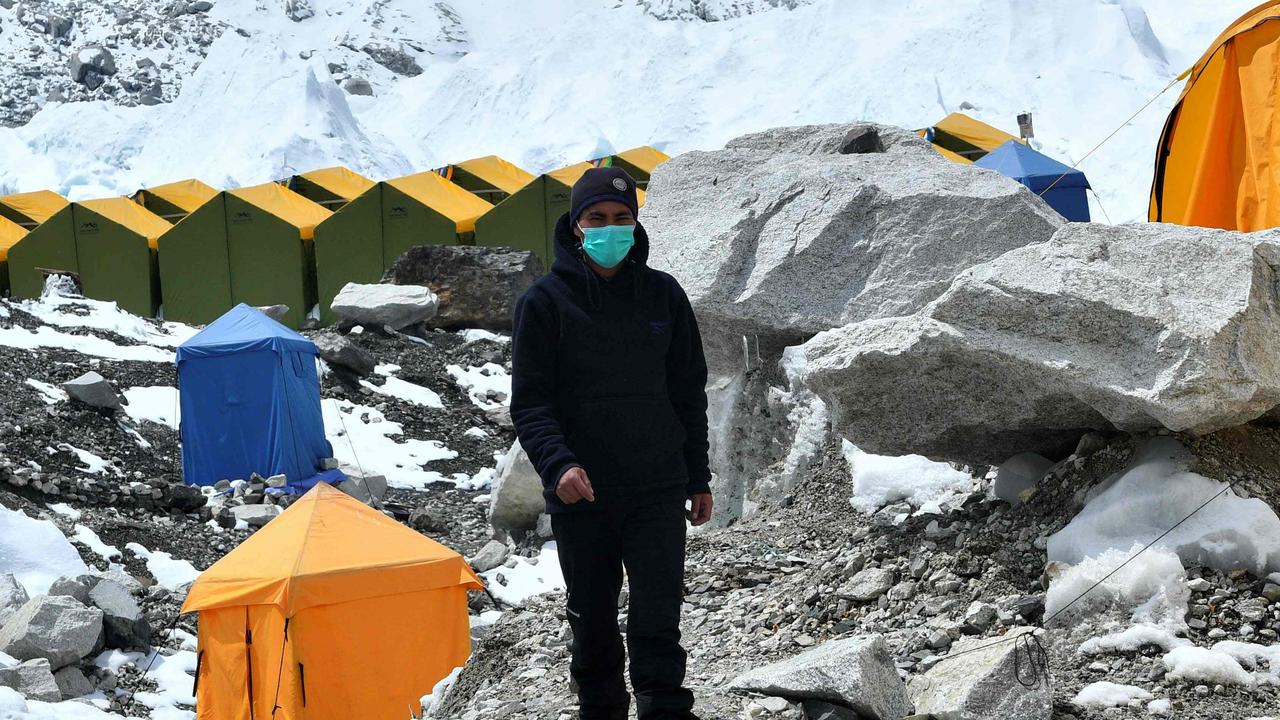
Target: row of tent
(198, 251)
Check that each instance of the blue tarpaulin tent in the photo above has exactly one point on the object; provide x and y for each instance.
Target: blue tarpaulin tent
(1038, 172)
(250, 401)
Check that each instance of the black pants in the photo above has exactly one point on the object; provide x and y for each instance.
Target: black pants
(594, 546)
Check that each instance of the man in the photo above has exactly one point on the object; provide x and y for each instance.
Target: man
(609, 401)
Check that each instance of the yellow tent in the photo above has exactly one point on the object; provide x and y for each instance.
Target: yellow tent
(285, 205)
(490, 170)
(331, 611)
(331, 187)
(965, 137)
(175, 200)
(1216, 158)
(443, 196)
(570, 175)
(640, 162)
(131, 216)
(10, 233)
(32, 208)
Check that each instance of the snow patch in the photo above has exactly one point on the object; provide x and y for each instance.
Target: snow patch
(1132, 640)
(471, 335)
(1154, 584)
(51, 394)
(169, 572)
(87, 537)
(1202, 665)
(65, 510)
(156, 403)
(488, 386)
(879, 480)
(1105, 694)
(407, 391)
(35, 552)
(514, 585)
(363, 437)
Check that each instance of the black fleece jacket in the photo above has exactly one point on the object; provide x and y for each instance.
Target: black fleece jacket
(609, 376)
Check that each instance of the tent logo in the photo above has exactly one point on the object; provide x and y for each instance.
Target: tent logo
(89, 228)
(398, 212)
(241, 217)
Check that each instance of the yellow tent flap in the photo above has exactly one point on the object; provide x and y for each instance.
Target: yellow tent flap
(285, 204)
(327, 548)
(10, 234)
(973, 132)
(503, 175)
(644, 157)
(444, 197)
(130, 215)
(1217, 156)
(340, 181)
(573, 173)
(953, 157)
(39, 205)
(184, 194)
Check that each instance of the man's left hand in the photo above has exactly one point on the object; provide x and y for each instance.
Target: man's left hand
(700, 506)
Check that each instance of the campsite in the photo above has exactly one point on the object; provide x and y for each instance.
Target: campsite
(325, 401)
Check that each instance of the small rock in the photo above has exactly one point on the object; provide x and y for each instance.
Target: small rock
(72, 683)
(492, 555)
(357, 86)
(868, 585)
(337, 350)
(92, 389)
(126, 627)
(255, 515)
(33, 679)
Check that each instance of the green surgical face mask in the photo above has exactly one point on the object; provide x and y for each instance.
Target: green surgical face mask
(608, 246)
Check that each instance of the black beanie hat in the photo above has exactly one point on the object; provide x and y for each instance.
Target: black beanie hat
(600, 184)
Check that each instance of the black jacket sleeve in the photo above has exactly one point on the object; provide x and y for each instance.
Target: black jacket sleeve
(687, 389)
(533, 364)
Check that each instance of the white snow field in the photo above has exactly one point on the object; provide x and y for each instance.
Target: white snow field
(552, 82)
(35, 552)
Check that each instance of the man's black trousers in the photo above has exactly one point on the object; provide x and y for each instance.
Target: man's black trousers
(594, 545)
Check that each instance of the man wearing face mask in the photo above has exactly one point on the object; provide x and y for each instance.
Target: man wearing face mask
(609, 401)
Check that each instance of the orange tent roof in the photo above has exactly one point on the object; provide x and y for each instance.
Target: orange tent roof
(571, 174)
(131, 215)
(327, 548)
(340, 181)
(39, 205)
(285, 204)
(644, 157)
(504, 176)
(185, 194)
(443, 196)
(10, 234)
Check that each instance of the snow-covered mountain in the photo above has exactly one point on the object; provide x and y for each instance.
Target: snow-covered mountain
(284, 85)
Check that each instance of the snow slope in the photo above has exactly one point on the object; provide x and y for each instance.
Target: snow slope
(556, 81)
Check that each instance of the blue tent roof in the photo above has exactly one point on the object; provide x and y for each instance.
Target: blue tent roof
(243, 329)
(1036, 171)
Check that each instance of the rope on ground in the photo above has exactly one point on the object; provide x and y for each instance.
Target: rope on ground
(350, 442)
(155, 652)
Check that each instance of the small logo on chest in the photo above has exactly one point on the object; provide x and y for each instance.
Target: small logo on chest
(658, 327)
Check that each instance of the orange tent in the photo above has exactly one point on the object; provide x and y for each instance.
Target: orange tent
(1221, 143)
(331, 611)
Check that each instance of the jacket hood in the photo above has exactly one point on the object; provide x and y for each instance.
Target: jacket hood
(569, 263)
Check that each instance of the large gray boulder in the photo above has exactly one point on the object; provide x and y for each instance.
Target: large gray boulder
(57, 628)
(478, 286)
(125, 624)
(92, 389)
(981, 683)
(1103, 327)
(34, 679)
(854, 672)
(792, 231)
(12, 597)
(338, 350)
(393, 306)
(515, 496)
(72, 682)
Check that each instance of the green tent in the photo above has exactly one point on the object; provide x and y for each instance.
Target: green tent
(252, 245)
(359, 242)
(490, 177)
(331, 187)
(109, 245)
(31, 208)
(527, 219)
(176, 200)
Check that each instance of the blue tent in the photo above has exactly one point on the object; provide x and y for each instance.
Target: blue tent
(1038, 172)
(250, 401)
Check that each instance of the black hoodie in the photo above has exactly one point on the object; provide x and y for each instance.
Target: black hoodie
(609, 376)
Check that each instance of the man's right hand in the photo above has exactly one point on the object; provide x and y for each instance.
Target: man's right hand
(574, 486)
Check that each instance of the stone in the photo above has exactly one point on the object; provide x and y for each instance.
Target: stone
(1019, 474)
(255, 515)
(357, 86)
(979, 616)
(91, 60)
(33, 679)
(57, 628)
(492, 555)
(856, 672)
(980, 683)
(819, 710)
(1027, 352)
(338, 350)
(72, 682)
(394, 59)
(12, 597)
(894, 226)
(298, 10)
(515, 496)
(868, 584)
(425, 521)
(774, 704)
(368, 488)
(200, 6)
(125, 625)
(275, 312)
(71, 587)
(543, 529)
(393, 306)
(477, 286)
(277, 481)
(92, 389)
(118, 574)
(1271, 591)
(184, 498)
